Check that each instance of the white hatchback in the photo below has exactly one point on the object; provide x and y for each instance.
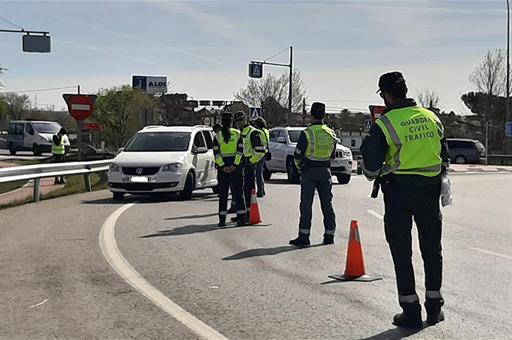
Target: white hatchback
(164, 159)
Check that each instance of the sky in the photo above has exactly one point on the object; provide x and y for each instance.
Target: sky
(203, 47)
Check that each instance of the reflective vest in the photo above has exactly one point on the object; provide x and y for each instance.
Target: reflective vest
(265, 138)
(59, 149)
(228, 149)
(414, 136)
(321, 141)
(254, 154)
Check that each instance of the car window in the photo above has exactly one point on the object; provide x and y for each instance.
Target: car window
(208, 138)
(273, 135)
(29, 129)
(47, 127)
(294, 135)
(458, 144)
(159, 142)
(199, 140)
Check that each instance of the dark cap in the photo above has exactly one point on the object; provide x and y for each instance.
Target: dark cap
(240, 115)
(318, 109)
(390, 81)
(227, 115)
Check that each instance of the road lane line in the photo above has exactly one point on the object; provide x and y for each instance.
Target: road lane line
(375, 214)
(491, 253)
(124, 269)
(39, 304)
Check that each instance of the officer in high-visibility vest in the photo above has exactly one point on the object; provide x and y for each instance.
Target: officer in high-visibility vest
(261, 124)
(58, 152)
(228, 149)
(406, 154)
(254, 151)
(315, 148)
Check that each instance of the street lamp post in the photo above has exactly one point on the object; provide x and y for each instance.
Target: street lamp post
(507, 101)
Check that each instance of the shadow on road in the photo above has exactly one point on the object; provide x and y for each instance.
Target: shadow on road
(185, 230)
(190, 217)
(394, 334)
(152, 198)
(266, 252)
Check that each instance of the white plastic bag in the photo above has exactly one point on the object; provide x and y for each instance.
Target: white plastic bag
(446, 192)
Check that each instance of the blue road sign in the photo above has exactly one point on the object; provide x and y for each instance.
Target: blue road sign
(367, 125)
(139, 82)
(255, 112)
(255, 70)
(508, 129)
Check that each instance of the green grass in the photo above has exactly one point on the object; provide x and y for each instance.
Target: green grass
(10, 186)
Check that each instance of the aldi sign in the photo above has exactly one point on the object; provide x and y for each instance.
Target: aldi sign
(151, 85)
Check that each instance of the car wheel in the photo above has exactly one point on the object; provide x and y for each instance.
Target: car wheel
(186, 193)
(460, 160)
(12, 149)
(343, 179)
(35, 150)
(293, 173)
(266, 173)
(118, 196)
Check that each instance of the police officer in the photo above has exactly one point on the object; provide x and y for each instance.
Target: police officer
(228, 150)
(261, 125)
(59, 152)
(406, 154)
(254, 151)
(315, 148)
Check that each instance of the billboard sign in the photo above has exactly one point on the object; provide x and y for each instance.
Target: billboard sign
(151, 85)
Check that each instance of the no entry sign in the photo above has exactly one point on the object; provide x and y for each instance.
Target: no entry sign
(80, 106)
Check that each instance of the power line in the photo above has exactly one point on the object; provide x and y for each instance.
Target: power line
(12, 23)
(42, 90)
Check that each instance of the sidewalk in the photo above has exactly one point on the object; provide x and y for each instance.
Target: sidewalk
(478, 168)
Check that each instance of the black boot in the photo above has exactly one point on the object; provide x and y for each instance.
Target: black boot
(328, 239)
(434, 312)
(302, 240)
(232, 210)
(411, 316)
(222, 221)
(242, 220)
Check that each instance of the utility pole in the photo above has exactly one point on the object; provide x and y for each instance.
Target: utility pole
(508, 63)
(303, 111)
(79, 133)
(290, 88)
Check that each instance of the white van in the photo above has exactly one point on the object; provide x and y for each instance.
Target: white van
(32, 135)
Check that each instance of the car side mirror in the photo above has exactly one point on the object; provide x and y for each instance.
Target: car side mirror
(199, 149)
(120, 150)
(281, 140)
(31, 132)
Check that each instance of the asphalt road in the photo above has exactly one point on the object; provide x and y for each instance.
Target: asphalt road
(245, 283)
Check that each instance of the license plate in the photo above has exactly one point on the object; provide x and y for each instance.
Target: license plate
(136, 179)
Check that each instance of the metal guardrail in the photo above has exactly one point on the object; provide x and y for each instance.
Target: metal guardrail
(38, 171)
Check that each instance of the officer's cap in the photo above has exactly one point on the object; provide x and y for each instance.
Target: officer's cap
(227, 116)
(240, 115)
(390, 81)
(318, 109)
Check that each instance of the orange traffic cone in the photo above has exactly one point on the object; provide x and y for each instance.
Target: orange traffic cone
(354, 267)
(254, 214)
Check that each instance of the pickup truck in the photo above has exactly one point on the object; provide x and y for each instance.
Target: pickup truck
(283, 141)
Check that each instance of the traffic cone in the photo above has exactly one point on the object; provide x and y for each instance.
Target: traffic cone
(354, 267)
(254, 213)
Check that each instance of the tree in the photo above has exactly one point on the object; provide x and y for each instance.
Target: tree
(429, 99)
(490, 76)
(15, 105)
(119, 110)
(258, 90)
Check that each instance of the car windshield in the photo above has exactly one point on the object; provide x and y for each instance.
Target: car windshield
(159, 142)
(294, 135)
(49, 127)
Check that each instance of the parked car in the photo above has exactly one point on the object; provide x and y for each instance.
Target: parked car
(283, 141)
(35, 136)
(465, 151)
(161, 159)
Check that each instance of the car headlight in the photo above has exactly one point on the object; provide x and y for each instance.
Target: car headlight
(174, 167)
(113, 168)
(347, 153)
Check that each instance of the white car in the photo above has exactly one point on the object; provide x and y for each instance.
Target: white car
(283, 141)
(165, 159)
(31, 135)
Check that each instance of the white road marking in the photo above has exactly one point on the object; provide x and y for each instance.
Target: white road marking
(124, 269)
(39, 304)
(491, 253)
(375, 214)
